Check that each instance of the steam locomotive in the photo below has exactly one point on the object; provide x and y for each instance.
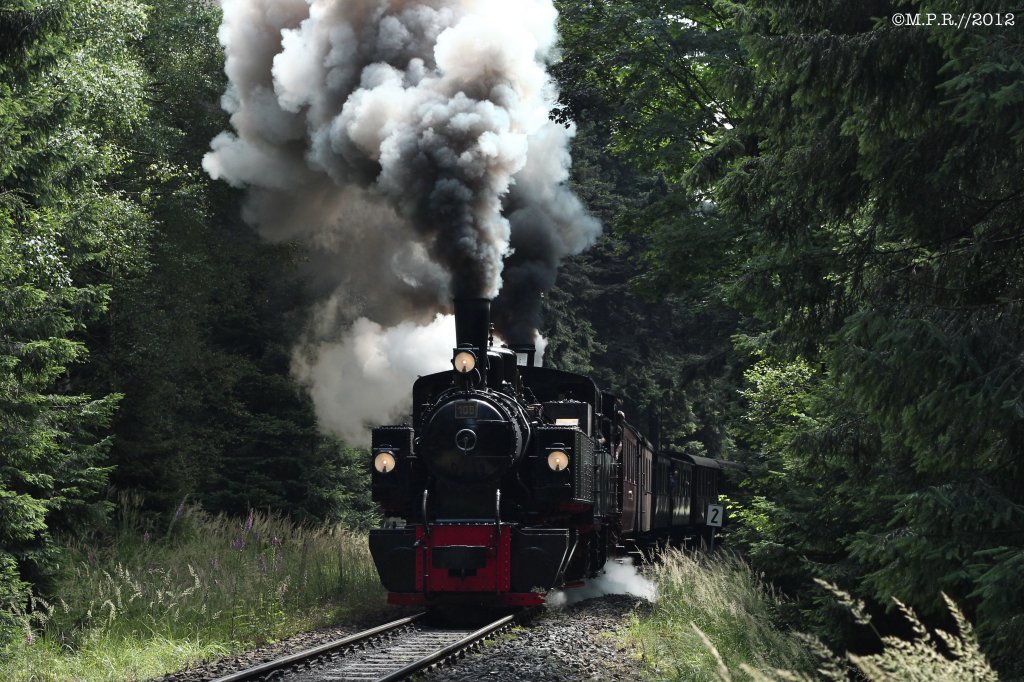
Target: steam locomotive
(515, 480)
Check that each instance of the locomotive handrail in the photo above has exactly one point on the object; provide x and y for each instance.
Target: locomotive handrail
(426, 535)
(497, 511)
(426, 525)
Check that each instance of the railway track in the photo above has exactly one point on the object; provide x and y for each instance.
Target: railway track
(394, 651)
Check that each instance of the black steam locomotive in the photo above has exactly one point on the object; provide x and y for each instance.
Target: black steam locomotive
(517, 479)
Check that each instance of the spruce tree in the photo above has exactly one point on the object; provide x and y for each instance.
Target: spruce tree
(881, 177)
(199, 341)
(864, 208)
(68, 90)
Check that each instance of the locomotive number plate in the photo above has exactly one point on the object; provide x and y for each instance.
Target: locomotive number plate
(466, 410)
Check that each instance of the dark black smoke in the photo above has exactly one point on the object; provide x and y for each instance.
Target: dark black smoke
(407, 145)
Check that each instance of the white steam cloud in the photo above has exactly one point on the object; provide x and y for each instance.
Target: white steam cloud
(407, 145)
(618, 577)
(366, 377)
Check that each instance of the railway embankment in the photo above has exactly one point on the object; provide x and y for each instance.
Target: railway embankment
(145, 601)
(209, 595)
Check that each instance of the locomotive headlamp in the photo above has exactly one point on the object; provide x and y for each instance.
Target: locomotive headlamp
(464, 362)
(384, 462)
(558, 460)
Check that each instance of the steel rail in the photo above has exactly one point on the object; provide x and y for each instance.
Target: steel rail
(442, 654)
(279, 663)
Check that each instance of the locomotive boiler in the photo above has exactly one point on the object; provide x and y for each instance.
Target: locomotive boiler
(515, 479)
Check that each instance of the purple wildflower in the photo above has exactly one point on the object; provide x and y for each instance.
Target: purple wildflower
(181, 511)
(29, 638)
(238, 543)
(146, 537)
(275, 541)
(277, 558)
(248, 522)
(90, 557)
(214, 563)
(262, 561)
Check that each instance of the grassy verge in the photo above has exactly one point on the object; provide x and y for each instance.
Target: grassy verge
(712, 615)
(714, 619)
(144, 603)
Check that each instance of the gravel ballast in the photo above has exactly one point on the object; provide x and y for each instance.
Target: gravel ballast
(577, 642)
(581, 641)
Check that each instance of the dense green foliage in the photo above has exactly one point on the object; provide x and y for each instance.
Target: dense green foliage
(672, 364)
(69, 94)
(813, 263)
(199, 341)
(854, 192)
(145, 331)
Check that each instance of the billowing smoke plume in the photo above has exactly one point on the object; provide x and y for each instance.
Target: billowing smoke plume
(407, 145)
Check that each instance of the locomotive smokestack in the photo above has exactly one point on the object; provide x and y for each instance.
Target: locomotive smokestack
(473, 323)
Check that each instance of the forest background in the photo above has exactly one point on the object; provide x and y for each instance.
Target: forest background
(812, 263)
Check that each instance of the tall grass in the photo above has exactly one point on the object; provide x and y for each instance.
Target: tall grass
(716, 601)
(715, 620)
(147, 602)
(924, 657)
